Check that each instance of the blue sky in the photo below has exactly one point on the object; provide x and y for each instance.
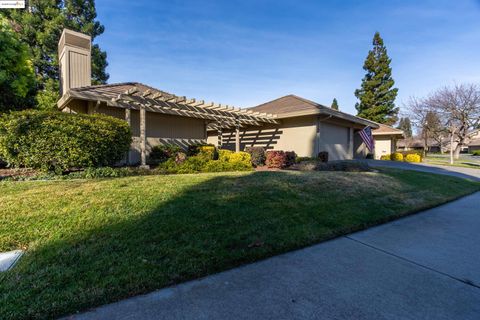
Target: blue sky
(246, 52)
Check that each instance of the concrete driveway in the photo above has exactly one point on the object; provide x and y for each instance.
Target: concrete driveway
(468, 173)
(426, 266)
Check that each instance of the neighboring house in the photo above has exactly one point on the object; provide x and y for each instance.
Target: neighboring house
(474, 143)
(417, 144)
(156, 117)
(386, 140)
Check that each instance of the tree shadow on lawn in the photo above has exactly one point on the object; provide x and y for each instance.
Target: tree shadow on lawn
(218, 224)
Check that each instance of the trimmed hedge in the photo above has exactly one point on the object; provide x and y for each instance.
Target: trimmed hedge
(412, 157)
(396, 156)
(386, 157)
(476, 153)
(57, 141)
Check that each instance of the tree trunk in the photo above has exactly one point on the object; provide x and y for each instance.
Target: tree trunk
(451, 148)
(458, 148)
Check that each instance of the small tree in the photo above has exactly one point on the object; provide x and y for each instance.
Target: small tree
(334, 105)
(458, 108)
(406, 126)
(377, 94)
(17, 78)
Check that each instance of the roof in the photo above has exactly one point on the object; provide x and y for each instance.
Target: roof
(416, 143)
(134, 95)
(475, 142)
(294, 106)
(383, 129)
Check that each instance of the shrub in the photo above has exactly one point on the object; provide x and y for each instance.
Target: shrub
(386, 157)
(276, 159)
(58, 141)
(396, 156)
(413, 158)
(419, 153)
(241, 157)
(323, 156)
(208, 151)
(476, 153)
(224, 155)
(222, 166)
(162, 153)
(369, 156)
(180, 157)
(257, 154)
(291, 156)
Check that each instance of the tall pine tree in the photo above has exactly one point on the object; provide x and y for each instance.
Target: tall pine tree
(406, 125)
(40, 26)
(377, 95)
(334, 104)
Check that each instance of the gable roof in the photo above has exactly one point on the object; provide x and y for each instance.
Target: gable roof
(383, 129)
(294, 106)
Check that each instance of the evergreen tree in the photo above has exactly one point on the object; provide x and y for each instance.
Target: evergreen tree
(17, 78)
(40, 26)
(334, 104)
(377, 95)
(405, 125)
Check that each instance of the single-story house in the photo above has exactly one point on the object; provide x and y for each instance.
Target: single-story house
(418, 144)
(156, 117)
(386, 138)
(474, 141)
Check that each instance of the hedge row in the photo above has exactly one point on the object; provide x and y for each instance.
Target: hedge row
(407, 156)
(56, 141)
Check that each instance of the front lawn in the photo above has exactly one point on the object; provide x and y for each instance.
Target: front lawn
(91, 242)
(465, 161)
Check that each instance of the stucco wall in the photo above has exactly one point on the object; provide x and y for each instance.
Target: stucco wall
(294, 134)
(160, 129)
(383, 146)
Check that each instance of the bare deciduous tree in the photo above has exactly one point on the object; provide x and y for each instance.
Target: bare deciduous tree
(459, 111)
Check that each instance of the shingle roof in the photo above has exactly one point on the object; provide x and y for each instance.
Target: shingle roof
(293, 106)
(387, 130)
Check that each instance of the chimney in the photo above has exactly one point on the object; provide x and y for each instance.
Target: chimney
(74, 56)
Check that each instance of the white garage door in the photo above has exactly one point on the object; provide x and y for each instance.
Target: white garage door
(383, 146)
(334, 140)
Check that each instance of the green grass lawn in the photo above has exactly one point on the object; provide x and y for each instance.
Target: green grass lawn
(444, 160)
(90, 242)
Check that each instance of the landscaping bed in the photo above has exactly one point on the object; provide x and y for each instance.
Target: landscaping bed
(91, 242)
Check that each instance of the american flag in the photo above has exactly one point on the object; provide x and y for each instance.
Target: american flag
(366, 134)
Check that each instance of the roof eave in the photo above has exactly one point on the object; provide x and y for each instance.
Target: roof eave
(329, 112)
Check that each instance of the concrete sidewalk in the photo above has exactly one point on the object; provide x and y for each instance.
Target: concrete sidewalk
(426, 266)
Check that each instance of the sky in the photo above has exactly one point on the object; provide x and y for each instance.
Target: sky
(244, 53)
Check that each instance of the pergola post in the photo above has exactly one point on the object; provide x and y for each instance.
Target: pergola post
(220, 137)
(237, 136)
(143, 138)
(128, 119)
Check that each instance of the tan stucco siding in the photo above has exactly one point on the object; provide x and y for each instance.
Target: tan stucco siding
(384, 144)
(160, 128)
(334, 139)
(295, 134)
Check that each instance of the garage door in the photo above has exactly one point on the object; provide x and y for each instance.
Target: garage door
(334, 140)
(383, 146)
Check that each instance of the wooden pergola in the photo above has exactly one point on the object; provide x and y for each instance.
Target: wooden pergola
(218, 116)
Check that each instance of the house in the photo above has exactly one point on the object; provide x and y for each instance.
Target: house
(474, 141)
(386, 140)
(308, 128)
(418, 144)
(157, 117)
